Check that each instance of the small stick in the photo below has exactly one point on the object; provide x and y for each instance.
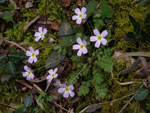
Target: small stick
(30, 23)
(126, 104)
(24, 83)
(107, 102)
(48, 84)
(60, 106)
(145, 54)
(8, 106)
(16, 45)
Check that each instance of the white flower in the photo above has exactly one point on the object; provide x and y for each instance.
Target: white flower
(52, 74)
(40, 34)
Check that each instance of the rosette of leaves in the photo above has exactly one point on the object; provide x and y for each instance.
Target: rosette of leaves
(11, 63)
(138, 33)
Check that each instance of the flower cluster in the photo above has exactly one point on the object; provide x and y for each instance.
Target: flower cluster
(63, 88)
(98, 38)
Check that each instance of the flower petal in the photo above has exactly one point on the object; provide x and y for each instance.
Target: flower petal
(71, 93)
(104, 41)
(37, 34)
(37, 39)
(35, 59)
(61, 90)
(83, 10)
(93, 38)
(79, 53)
(42, 37)
(84, 42)
(84, 50)
(30, 60)
(44, 31)
(104, 33)
(77, 11)
(32, 76)
(96, 32)
(55, 76)
(36, 52)
(28, 78)
(50, 79)
(28, 53)
(31, 49)
(97, 44)
(79, 40)
(78, 21)
(71, 87)
(63, 85)
(75, 17)
(75, 47)
(50, 71)
(26, 68)
(55, 70)
(84, 16)
(24, 74)
(40, 29)
(66, 94)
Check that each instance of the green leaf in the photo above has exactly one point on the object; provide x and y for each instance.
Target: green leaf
(5, 78)
(106, 11)
(68, 41)
(143, 1)
(98, 22)
(7, 16)
(98, 77)
(17, 56)
(11, 49)
(54, 59)
(77, 29)
(91, 6)
(101, 90)
(11, 68)
(21, 110)
(141, 94)
(28, 101)
(2, 66)
(137, 28)
(2, 57)
(146, 36)
(132, 20)
(84, 88)
(147, 23)
(2, 1)
(65, 29)
(36, 110)
(49, 99)
(129, 36)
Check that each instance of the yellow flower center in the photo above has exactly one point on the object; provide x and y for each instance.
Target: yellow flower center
(29, 72)
(99, 37)
(41, 34)
(81, 46)
(80, 15)
(53, 75)
(66, 89)
(32, 54)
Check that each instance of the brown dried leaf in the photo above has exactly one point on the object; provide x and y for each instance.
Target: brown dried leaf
(73, 101)
(93, 108)
(80, 2)
(66, 3)
(56, 26)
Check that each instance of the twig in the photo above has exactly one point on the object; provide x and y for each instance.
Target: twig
(145, 54)
(7, 106)
(126, 104)
(30, 23)
(107, 102)
(133, 1)
(60, 106)
(24, 83)
(125, 83)
(48, 84)
(16, 45)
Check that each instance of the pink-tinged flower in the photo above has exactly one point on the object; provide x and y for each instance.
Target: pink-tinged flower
(28, 73)
(67, 91)
(40, 34)
(81, 46)
(32, 55)
(58, 84)
(99, 38)
(51, 40)
(52, 75)
(80, 15)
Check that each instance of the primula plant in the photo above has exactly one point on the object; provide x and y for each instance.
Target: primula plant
(69, 60)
